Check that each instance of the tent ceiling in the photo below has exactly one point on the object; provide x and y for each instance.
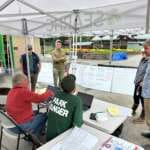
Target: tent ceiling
(57, 5)
(47, 17)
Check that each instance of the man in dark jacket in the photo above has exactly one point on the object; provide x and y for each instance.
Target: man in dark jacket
(34, 66)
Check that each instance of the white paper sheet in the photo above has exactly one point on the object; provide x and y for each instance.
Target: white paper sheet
(79, 139)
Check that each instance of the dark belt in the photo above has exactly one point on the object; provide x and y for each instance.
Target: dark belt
(58, 63)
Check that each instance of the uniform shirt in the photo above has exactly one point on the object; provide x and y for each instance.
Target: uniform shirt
(65, 112)
(59, 59)
(19, 103)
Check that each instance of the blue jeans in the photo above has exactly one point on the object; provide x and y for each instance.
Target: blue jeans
(33, 126)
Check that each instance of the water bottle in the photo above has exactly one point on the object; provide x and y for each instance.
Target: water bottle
(118, 147)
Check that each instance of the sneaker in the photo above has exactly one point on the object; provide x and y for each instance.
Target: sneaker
(133, 113)
(138, 120)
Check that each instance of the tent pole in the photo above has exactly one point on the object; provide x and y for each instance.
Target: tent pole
(111, 47)
(73, 45)
(6, 4)
(25, 33)
(80, 42)
(10, 53)
(43, 47)
(76, 48)
(76, 12)
(75, 39)
(70, 47)
(147, 17)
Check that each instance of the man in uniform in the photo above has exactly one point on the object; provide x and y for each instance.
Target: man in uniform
(59, 59)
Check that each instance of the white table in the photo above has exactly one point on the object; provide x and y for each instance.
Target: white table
(102, 138)
(110, 125)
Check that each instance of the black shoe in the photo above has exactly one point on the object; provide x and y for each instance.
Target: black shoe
(134, 108)
(133, 113)
(146, 134)
(142, 115)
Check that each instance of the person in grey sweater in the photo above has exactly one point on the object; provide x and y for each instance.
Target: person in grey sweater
(146, 90)
(141, 70)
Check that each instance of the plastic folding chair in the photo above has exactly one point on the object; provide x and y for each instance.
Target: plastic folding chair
(6, 123)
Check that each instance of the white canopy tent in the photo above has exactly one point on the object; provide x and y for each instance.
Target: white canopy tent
(46, 17)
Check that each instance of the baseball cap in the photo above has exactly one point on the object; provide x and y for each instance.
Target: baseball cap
(146, 43)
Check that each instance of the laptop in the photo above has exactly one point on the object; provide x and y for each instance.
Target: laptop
(86, 100)
(4, 91)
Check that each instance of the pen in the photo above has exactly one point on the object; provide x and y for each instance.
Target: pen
(100, 112)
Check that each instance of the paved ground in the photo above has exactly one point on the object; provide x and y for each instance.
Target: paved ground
(131, 132)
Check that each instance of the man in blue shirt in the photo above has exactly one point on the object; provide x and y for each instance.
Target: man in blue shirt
(34, 65)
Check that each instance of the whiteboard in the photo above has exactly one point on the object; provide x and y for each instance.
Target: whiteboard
(123, 81)
(109, 79)
(104, 78)
(94, 77)
(46, 74)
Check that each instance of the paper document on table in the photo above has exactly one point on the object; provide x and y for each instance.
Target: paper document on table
(79, 139)
(126, 112)
(117, 143)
